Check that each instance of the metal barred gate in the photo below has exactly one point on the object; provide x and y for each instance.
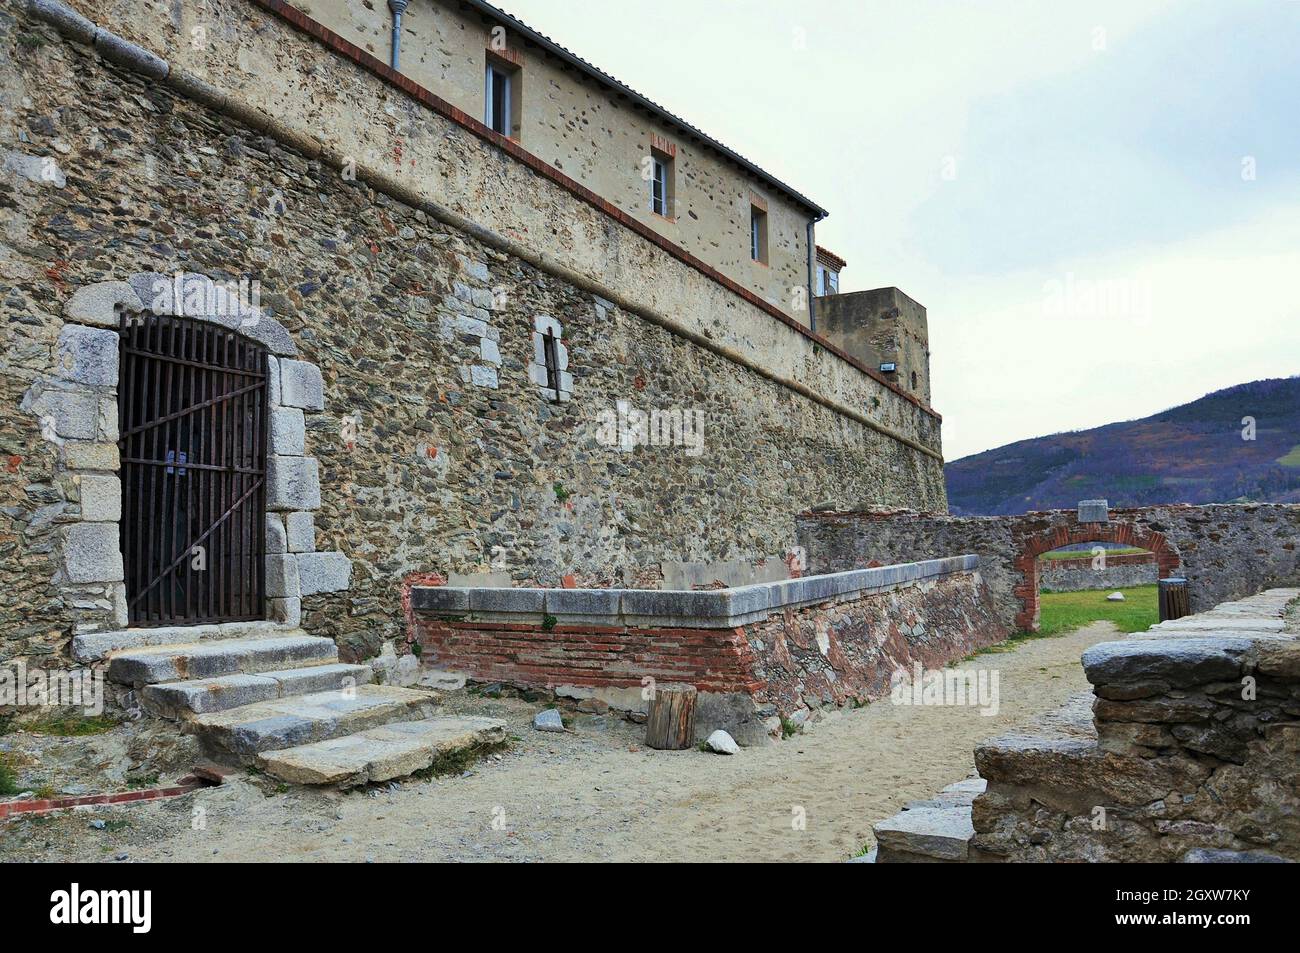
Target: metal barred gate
(192, 412)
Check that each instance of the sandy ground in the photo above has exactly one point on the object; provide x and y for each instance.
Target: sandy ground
(596, 793)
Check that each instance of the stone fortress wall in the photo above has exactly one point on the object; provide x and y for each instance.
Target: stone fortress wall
(438, 450)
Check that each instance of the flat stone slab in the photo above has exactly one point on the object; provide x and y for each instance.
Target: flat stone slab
(173, 663)
(380, 754)
(244, 732)
(1176, 661)
(705, 609)
(204, 695)
(93, 646)
(1223, 623)
(939, 833)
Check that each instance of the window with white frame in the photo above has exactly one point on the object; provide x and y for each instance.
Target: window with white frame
(758, 234)
(502, 94)
(828, 281)
(659, 185)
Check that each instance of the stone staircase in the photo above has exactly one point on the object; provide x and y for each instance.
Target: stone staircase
(271, 696)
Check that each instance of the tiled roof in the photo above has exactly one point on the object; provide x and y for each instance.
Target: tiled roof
(830, 258)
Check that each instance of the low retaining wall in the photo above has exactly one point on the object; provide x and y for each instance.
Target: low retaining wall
(1075, 575)
(756, 653)
(1187, 752)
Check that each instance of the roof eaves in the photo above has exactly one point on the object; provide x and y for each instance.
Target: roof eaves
(601, 76)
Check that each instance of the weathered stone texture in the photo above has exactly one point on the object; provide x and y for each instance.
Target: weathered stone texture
(1226, 551)
(846, 652)
(830, 653)
(1189, 744)
(1119, 572)
(444, 474)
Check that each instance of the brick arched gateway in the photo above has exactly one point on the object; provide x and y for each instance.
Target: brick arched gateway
(1074, 533)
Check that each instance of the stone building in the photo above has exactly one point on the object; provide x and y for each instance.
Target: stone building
(440, 349)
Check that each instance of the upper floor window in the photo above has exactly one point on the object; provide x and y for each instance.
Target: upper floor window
(828, 281)
(758, 234)
(659, 169)
(659, 186)
(502, 95)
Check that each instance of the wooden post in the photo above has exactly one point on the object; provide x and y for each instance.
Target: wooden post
(670, 725)
(1174, 599)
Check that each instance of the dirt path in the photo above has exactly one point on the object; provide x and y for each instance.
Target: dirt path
(597, 794)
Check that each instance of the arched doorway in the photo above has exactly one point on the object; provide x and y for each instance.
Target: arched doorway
(192, 416)
(1120, 534)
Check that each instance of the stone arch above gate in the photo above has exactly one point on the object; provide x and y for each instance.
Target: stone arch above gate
(76, 404)
(1033, 545)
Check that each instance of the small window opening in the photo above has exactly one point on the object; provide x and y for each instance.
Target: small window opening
(757, 234)
(552, 360)
(502, 95)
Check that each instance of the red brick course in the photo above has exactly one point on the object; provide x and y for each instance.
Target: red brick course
(14, 808)
(713, 660)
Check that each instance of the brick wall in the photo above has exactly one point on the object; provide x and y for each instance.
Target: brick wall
(794, 662)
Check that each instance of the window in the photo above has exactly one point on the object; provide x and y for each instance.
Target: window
(913, 380)
(659, 186)
(502, 96)
(757, 234)
(828, 281)
(552, 358)
(549, 369)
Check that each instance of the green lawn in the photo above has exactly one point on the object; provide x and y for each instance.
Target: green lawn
(1292, 459)
(1061, 612)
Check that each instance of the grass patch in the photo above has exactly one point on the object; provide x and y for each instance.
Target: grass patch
(456, 762)
(8, 783)
(72, 726)
(1292, 459)
(1061, 612)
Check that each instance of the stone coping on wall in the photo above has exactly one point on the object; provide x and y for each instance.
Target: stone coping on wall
(678, 608)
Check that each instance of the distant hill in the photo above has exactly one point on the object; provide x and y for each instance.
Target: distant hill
(1190, 454)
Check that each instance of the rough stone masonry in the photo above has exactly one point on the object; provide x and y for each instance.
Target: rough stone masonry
(438, 451)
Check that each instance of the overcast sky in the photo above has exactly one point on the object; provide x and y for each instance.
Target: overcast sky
(1098, 203)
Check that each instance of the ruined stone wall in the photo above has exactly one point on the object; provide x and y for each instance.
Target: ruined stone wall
(460, 462)
(1118, 572)
(1226, 551)
(838, 654)
(1187, 751)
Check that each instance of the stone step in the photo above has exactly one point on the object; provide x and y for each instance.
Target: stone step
(240, 734)
(94, 646)
(935, 830)
(171, 663)
(380, 754)
(203, 695)
(925, 835)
